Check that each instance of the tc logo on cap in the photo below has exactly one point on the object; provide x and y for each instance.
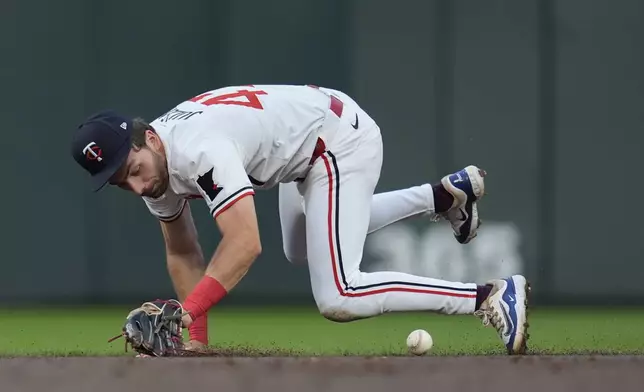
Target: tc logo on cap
(93, 152)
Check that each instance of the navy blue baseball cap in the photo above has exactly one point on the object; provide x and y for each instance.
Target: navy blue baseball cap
(101, 145)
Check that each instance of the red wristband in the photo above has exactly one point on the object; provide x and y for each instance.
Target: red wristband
(204, 296)
(199, 329)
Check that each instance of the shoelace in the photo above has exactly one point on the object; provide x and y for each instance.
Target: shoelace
(490, 316)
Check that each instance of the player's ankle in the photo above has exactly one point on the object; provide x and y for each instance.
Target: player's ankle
(482, 292)
(443, 200)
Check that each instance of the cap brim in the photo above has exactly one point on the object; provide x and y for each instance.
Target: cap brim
(100, 179)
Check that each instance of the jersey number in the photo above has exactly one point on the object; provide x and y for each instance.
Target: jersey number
(248, 99)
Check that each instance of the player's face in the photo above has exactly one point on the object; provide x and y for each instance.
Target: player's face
(144, 173)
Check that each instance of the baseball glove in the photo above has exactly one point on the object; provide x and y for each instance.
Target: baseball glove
(154, 329)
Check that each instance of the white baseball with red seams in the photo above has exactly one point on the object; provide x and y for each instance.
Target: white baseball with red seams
(419, 342)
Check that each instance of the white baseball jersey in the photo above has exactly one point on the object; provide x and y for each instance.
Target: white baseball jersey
(224, 143)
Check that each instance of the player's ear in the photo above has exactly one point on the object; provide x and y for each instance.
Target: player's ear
(152, 139)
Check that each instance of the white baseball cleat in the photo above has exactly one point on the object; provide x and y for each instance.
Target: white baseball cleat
(466, 186)
(506, 310)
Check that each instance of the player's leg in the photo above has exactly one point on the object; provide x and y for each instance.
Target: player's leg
(338, 195)
(386, 208)
(393, 206)
(443, 199)
(293, 223)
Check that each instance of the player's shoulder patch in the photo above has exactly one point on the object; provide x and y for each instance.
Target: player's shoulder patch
(207, 184)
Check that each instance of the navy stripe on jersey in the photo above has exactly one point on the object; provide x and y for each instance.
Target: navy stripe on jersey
(229, 198)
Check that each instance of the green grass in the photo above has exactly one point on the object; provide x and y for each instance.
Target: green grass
(302, 331)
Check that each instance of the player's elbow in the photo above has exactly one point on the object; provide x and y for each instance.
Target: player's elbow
(256, 248)
(253, 246)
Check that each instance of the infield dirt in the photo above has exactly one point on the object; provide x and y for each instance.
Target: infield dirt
(355, 374)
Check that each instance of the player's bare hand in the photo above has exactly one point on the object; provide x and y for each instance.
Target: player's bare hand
(186, 320)
(195, 345)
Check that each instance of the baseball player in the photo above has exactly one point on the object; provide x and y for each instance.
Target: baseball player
(324, 153)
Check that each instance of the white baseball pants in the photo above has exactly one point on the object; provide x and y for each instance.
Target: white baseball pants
(325, 220)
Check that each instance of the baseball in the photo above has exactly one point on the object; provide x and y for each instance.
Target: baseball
(419, 342)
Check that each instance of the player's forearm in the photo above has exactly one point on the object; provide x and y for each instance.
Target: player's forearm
(233, 258)
(185, 271)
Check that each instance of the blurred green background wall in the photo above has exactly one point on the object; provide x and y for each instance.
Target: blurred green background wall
(548, 96)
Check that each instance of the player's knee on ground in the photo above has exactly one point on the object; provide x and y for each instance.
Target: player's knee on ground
(340, 309)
